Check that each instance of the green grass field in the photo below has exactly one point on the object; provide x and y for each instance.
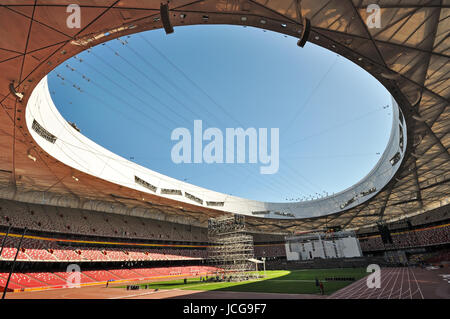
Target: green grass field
(276, 281)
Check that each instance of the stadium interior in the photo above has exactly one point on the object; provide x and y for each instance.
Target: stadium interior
(54, 215)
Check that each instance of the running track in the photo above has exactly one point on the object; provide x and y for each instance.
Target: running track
(396, 283)
(399, 283)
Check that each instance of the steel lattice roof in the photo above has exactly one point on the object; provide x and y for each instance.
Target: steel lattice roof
(408, 54)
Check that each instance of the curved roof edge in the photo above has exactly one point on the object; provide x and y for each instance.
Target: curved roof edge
(60, 140)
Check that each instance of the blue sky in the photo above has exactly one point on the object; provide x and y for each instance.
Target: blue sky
(331, 115)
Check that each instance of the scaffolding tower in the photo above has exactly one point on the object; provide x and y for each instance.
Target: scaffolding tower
(231, 248)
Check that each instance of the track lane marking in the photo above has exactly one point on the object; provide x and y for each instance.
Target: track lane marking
(409, 283)
(393, 286)
(418, 286)
(385, 286)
